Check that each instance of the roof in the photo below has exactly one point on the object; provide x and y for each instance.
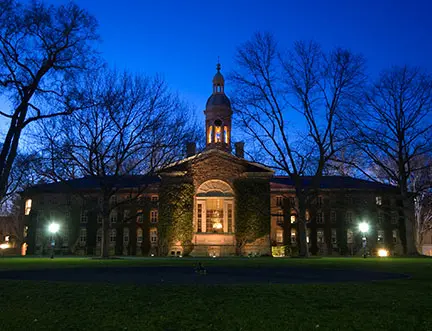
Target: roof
(218, 99)
(93, 182)
(334, 182)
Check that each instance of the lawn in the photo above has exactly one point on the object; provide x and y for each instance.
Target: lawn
(385, 305)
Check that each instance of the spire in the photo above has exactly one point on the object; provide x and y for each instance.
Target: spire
(218, 66)
(218, 80)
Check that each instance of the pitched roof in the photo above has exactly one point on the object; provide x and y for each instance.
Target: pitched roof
(334, 182)
(93, 182)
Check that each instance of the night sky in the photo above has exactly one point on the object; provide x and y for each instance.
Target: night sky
(182, 39)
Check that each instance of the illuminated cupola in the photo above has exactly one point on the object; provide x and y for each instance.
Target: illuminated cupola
(218, 116)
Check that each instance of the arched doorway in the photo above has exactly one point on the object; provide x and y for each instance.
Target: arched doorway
(214, 208)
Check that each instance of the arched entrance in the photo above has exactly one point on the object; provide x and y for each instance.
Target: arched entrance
(214, 222)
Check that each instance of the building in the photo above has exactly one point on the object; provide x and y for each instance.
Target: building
(213, 203)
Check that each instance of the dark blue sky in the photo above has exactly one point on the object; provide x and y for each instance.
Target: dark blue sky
(181, 39)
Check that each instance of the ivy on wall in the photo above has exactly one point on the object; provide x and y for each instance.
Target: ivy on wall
(175, 216)
(252, 209)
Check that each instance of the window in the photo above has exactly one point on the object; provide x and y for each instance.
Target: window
(350, 237)
(395, 235)
(153, 236)
(28, 205)
(84, 216)
(99, 233)
(279, 218)
(378, 200)
(348, 217)
(394, 217)
(214, 216)
(113, 200)
(113, 237)
(113, 216)
(292, 202)
(279, 236)
(279, 201)
(334, 236)
(140, 216)
(380, 217)
(320, 236)
(153, 216)
(230, 217)
(65, 236)
(307, 235)
(293, 236)
(333, 216)
(218, 134)
(126, 215)
(100, 201)
(348, 200)
(226, 134)
(199, 217)
(38, 235)
(380, 236)
(210, 134)
(139, 234)
(154, 198)
(125, 236)
(99, 218)
(307, 216)
(68, 200)
(319, 201)
(293, 219)
(320, 218)
(83, 236)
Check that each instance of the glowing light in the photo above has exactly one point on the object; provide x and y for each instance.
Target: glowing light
(383, 252)
(53, 227)
(4, 246)
(364, 227)
(217, 225)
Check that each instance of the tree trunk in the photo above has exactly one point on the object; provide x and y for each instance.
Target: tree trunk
(410, 247)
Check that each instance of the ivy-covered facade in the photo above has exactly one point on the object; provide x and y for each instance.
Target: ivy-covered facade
(211, 203)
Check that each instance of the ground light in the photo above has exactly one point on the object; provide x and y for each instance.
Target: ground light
(53, 228)
(383, 253)
(364, 229)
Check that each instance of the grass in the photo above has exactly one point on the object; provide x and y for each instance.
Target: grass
(386, 305)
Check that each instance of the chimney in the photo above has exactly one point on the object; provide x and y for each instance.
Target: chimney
(239, 149)
(190, 149)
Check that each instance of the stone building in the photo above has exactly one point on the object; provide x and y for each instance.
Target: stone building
(213, 203)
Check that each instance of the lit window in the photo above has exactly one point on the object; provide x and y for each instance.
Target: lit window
(293, 236)
(333, 216)
(307, 216)
(140, 217)
(153, 216)
(333, 236)
(125, 235)
(126, 215)
(226, 134)
(320, 218)
(83, 236)
(199, 217)
(378, 200)
(279, 236)
(350, 237)
(380, 236)
(113, 216)
(210, 134)
(139, 236)
(279, 201)
(320, 236)
(218, 134)
(154, 198)
(113, 236)
(28, 205)
(84, 216)
(394, 217)
(293, 219)
(153, 236)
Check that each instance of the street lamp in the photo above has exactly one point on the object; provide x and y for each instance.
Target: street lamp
(364, 228)
(53, 228)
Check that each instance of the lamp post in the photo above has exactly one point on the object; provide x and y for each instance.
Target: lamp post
(53, 229)
(364, 228)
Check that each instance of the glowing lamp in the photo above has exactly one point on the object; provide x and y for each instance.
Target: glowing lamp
(364, 227)
(383, 252)
(53, 227)
(217, 226)
(4, 246)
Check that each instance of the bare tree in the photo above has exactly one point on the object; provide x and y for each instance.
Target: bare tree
(135, 126)
(272, 87)
(393, 130)
(42, 50)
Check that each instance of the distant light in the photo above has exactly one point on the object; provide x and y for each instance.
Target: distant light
(152, 255)
(7, 238)
(53, 227)
(364, 227)
(383, 252)
(4, 246)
